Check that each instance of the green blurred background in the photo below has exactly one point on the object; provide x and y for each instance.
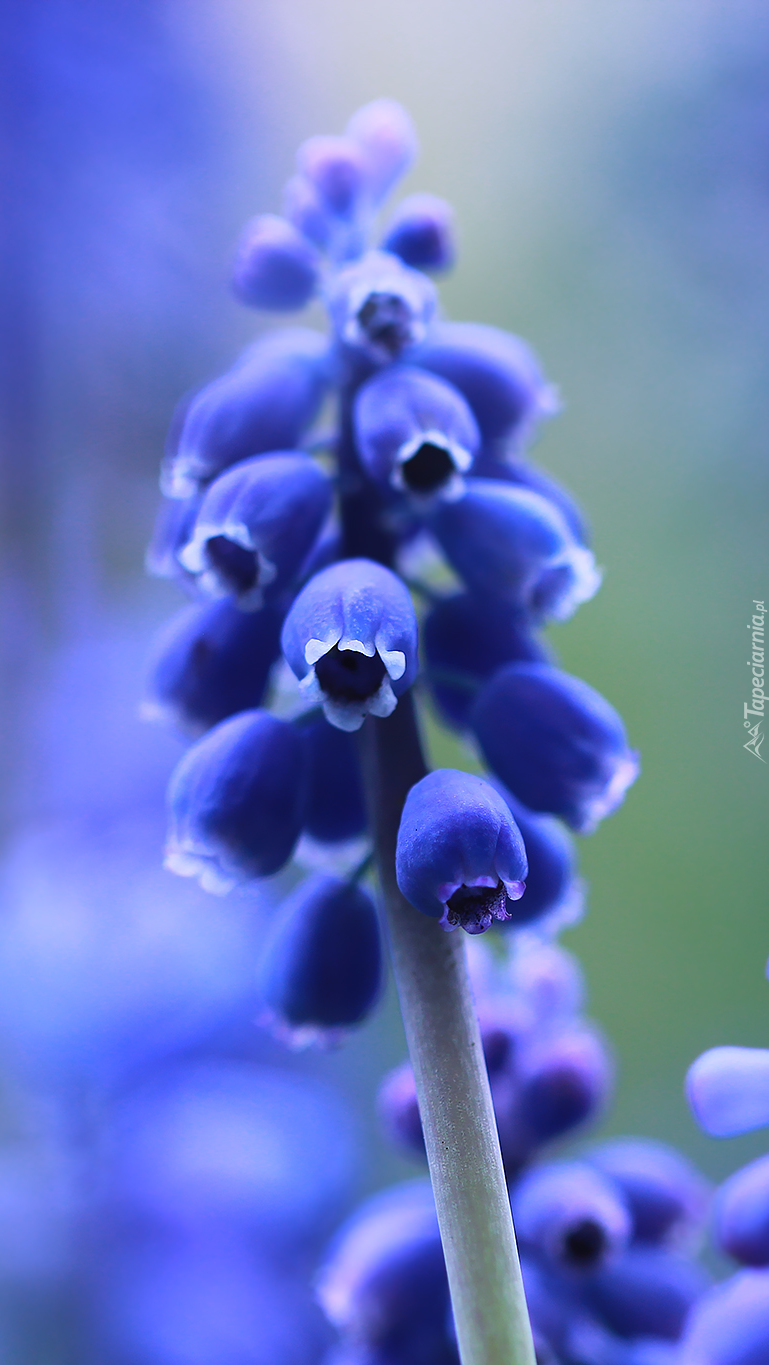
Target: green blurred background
(609, 164)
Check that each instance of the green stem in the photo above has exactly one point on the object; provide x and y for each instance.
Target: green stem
(471, 1198)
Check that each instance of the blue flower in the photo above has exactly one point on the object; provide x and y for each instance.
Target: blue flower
(421, 232)
(322, 967)
(497, 373)
(460, 855)
(728, 1090)
(210, 662)
(571, 1216)
(379, 307)
(276, 267)
(236, 802)
(256, 526)
(351, 639)
(415, 433)
(265, 402)
(555, 742)
(509, 542)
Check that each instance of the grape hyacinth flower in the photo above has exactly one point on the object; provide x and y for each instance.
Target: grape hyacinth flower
(426, 444)
(460, 856)
(351, 639)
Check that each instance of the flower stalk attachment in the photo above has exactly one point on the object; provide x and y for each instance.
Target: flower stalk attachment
(463, 1154)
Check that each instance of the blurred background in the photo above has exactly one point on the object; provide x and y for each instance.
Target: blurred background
(609, 166)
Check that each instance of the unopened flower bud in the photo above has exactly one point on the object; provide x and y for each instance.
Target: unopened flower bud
(421, 232)
(276, 268)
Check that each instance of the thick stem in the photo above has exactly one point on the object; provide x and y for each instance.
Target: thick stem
(463, 1153)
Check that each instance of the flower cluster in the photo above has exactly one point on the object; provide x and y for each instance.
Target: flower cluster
(728, 1089)
(313, 554)
(606, 1240)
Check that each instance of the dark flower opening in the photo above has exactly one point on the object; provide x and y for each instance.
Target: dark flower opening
(346, 675)
(236, 566)
(387, 322)
(475, 908)
(428, 469)
(585, 1245)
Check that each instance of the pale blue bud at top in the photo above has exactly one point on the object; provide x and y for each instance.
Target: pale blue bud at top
(322, 966)
(265, 402)
(380, 307)
(421, 232)
(742, 1214)
(497, 373)
(276, 268)
(336, 168)
(666, 1194)
(351, 639)
(573, 1217)
(387, 138)
(415, 432)
(512, 543)
(236, 802)
(256, 525)
(210, 662)
(555, 742)
(730, 1324)
(728, 1090)
(460, 855)
(647, 1292)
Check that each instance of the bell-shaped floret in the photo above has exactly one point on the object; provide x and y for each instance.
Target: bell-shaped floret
(276, 268)
(728, 1090)
(421, 232)
(322, 966)
(210, 662)
(466, 638)
(512, 543)
(335, 808)
(553, 888)
(415, 433)
(386, 136)
(742, 1214)
(379, 307)
(555, 742)
(351, 639)
(647, 1292)
(565, 1080)
(568, 1213)
(496, 371)
(236, 802)
(730, 1324)
(265, 402)
(337, 170)
(460, 856)
(384, 1285)
(256, 526)
(667, 1196)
